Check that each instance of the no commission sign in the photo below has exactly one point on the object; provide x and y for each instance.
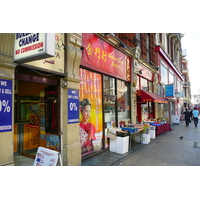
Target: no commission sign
(33, 46)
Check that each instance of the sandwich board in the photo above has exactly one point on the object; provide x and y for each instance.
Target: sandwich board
(47, 157)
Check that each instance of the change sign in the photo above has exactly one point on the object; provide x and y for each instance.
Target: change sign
(5, 105)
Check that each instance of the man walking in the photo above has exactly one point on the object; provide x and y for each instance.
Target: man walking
(187, 117)
(195, 116)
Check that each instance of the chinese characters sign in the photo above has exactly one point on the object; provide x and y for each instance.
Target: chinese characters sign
(5, 105)
(103, 57)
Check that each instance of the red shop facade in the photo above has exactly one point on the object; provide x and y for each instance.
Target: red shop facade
(105, 74)
(146, 98)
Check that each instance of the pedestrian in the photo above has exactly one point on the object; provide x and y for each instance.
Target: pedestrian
(187, 117)
(195, 116)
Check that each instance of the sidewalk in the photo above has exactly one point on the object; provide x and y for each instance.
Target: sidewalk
(166, 150)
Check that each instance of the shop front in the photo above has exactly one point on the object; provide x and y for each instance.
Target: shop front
(104, 93)
(146, 96)
(169, 81)
(37, 102)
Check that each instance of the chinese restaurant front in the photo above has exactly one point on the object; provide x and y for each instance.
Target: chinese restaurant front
(104, 93)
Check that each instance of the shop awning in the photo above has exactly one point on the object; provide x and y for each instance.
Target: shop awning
(150, 97)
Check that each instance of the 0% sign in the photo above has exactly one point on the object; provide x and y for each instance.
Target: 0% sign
(4, 107)
(73, 106)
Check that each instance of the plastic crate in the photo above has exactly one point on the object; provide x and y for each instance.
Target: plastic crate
(131, 130)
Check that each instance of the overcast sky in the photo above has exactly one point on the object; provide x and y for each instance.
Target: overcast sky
(191, 42)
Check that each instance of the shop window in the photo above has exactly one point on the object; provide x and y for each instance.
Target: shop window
(164, 75)
(123, 101)
(144, 84)
(109, 85)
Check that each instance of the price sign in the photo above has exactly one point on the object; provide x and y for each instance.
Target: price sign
(5, 105)
(47, 157)
(73, 106)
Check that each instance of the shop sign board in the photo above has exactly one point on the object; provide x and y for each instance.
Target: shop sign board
(169, 90)
(103, 57)
(73, 106)
(52, 64)
(47, 157)
(179, 94)
(33, 46)
(5, 105)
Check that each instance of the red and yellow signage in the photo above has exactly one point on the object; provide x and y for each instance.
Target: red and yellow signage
(103, 57)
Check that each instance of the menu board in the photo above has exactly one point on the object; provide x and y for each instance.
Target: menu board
(51, 109)
(47, 157)
(31, 137)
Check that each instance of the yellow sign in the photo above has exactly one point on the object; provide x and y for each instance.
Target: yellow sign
(53, 64)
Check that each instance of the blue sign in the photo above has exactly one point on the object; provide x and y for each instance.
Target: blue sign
(5, 105)
(169, 90)
(73, 106)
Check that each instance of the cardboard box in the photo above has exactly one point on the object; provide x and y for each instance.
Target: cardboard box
(113, 145)
(152, 134)
(122, 144)
(145, 138)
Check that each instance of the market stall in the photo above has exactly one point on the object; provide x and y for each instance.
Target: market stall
(158, 127)
(121, 138)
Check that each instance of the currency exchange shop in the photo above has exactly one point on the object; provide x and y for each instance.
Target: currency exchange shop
(104, 93)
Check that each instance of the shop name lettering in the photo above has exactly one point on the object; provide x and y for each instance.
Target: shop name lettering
(101, 54)
(26, 39)
(4, 91)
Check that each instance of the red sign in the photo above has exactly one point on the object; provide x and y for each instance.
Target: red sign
(103, 57)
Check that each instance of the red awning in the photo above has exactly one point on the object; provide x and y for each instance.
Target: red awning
(150, 97)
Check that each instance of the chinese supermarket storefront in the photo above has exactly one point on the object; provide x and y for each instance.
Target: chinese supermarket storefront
(104, 93)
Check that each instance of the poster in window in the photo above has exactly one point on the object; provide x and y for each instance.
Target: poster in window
(90, 112)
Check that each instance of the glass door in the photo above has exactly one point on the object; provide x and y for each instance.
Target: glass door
(109, 103)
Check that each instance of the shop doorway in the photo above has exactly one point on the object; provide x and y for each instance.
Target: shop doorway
(36, 106)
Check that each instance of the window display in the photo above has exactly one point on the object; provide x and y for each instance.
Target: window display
(91, 130)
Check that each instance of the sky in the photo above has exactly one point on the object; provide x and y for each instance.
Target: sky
(191, 42)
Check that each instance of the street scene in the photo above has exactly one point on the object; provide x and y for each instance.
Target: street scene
(95, 99)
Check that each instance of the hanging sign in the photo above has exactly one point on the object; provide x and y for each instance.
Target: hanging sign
(5, 105)
(103, 57)
(169, 90)
(73, 106)
(47, 157)
(33, 46)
